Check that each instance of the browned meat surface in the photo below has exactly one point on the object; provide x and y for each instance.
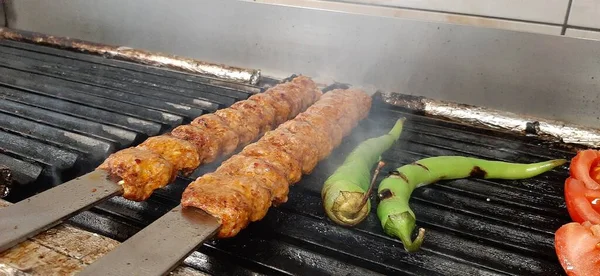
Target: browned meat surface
(206, 146)
(319, 122)
(262, 117)
(274, 156)
(364, 101)
(346, 99)
(222, 188)
(256, 193)
(300, 96)
(181, 153)
(311, 135)
(220, 131)
(259, 169)
(331, 111)
(142, 172)
(230, 207)
(280, 112)
(311, 88)
(213, 135)
(240, 123)
(243, 188)
(295, 146)
(285, 99)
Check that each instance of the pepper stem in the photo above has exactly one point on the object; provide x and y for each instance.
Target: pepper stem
(350, 208)
(401, 226)
(371, 185)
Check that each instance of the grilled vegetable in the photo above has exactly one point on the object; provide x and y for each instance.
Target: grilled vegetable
(582, 191)
(581, 201)
(578, 248)
(346, 192)
(577, 244)
(398, 220)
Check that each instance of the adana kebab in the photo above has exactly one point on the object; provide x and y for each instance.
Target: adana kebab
(136, 172)
(155, 162)
(244, 187)
(241, 190)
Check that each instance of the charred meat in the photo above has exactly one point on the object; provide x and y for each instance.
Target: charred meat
(244, 187)
(154, 163)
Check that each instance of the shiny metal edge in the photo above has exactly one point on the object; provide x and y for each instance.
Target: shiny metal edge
(220, 71)
(40, 212)
(160, 247)
(552, 130)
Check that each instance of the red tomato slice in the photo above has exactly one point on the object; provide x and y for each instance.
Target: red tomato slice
(578, 248)
(584, 164)
(595, 172)
(579, 206)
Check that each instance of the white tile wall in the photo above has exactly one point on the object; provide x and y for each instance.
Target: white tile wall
(536, 16)
(585, 13)
(550, 11)
(583, 34)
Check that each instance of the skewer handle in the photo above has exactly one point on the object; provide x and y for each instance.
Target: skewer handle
(38, 213)
(160, 247)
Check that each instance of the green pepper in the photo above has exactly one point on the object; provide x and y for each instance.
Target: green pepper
(346, 192)
(398, 220)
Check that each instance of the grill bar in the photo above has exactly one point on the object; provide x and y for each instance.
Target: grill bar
(97, 149)
(125, 80)
(37, 151)
(23, 172)
(63, 112)
(101, 97)
(121, 136)
(167, 77)
(81, 111)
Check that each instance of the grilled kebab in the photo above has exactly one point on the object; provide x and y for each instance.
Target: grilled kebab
(244, 187)
(156, 162)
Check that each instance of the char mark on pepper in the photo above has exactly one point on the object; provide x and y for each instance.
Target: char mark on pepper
(399, 174)
(477, 172)
(421, 165)
(385, 194)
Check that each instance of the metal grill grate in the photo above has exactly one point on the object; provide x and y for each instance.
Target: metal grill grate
(474, 227)
(62, 113)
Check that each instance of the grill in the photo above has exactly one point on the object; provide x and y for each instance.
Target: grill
(64, 112)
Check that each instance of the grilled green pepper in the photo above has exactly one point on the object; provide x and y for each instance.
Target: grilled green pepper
(398, 220)
(346, 192)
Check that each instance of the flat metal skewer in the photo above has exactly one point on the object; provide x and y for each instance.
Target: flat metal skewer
(40, 212)
(160, 247)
